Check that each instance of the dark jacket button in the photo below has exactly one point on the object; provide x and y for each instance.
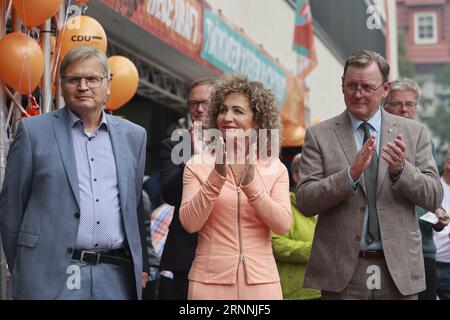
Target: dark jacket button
(69, 250)
(76, 215)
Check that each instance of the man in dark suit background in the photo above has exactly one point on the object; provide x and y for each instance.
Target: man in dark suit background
(180, 246)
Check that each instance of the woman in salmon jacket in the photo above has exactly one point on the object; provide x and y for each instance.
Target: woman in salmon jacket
(235, 195)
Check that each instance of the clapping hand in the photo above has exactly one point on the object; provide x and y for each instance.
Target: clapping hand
(363, 158)
(394, 155)
(250, 165)
(195, 131)
(221, 157)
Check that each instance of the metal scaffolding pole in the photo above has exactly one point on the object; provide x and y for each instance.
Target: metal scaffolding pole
(16, 24)
(60, 18)
(46, 86)
(3, 150)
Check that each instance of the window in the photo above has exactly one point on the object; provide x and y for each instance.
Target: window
(425, 28)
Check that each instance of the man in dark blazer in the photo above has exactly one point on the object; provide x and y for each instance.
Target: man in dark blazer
(180, 246)
(363, 172)
(69, 217)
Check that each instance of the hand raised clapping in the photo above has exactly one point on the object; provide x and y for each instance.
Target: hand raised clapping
(363, 158)
(250, 165)
(394, 155)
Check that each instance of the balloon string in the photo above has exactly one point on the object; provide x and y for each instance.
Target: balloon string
(28, 62)
(23, 72)
(60, 35)
(24, 11)
(8, 12)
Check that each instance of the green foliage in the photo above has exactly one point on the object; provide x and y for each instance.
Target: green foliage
(439, 123)
(406, 67)
(442, 76)
(437, 115)
(436, 119)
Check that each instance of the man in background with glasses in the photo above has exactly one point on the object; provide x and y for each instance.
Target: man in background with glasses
(69, 216)
(180, 246)
(372, 168)
(403, 98)
(402, 101)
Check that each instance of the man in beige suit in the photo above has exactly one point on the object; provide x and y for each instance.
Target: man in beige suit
(363, 172)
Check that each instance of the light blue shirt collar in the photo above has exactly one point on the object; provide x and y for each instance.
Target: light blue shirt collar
(375, 122)
(74, 119)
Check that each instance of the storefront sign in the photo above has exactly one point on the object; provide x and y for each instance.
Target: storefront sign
(226, 49)
(178, 22)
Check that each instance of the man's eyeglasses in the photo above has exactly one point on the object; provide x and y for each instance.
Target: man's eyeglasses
(366, 89)
(197, 103)
(91, 82)
(399, 104)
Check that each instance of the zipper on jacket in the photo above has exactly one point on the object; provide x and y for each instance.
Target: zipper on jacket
(241, 255)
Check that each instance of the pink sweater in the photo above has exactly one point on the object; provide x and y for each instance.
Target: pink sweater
(234, 223)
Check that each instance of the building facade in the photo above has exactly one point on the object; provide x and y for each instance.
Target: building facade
(426, 28)
(426, 25)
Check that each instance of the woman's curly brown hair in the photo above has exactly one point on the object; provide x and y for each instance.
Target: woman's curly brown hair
(262, 101)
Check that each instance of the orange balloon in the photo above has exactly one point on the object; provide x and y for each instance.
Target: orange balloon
(35, 12)
(293, 135)
(316, 121)
(124, 81)
(81, 30)
(22, 62)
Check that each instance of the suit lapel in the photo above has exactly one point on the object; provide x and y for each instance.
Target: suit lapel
(346, 138)
(120, 156)
(389, 130)
(63, 135)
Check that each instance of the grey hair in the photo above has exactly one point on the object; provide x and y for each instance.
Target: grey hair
(202, 82)
(82, 53)
(404, 84)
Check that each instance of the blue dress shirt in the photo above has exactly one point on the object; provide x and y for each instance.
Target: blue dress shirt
(100, 225)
